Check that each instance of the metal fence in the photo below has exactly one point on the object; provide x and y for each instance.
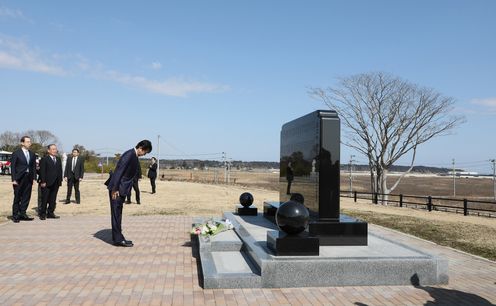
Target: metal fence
(429, 203)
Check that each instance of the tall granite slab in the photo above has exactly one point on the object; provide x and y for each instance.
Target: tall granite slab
(310, 166)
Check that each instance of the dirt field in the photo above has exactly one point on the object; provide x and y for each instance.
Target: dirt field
(421, 185)
(177, 193)
(182, 198)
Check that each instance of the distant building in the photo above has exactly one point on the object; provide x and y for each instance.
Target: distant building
(463, 173)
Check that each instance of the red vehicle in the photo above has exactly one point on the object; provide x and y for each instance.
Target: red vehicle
(5, 162)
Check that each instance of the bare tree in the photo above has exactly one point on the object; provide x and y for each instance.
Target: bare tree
(43, 137)
(9, 141)
(385, 117)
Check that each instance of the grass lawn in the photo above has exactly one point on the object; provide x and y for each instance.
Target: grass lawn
(471, 238)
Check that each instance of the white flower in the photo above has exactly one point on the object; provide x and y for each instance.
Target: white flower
(229, 224)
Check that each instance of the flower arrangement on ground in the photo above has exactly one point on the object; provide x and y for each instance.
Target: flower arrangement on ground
(211, 227)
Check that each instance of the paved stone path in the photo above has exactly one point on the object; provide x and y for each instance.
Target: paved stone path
(70, 262)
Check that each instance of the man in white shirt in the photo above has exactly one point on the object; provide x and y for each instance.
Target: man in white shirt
(73, 174)
(23, 171)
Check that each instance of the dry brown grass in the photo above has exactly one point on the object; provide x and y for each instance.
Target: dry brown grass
(475, 235)
(422, 185)
(179, 198)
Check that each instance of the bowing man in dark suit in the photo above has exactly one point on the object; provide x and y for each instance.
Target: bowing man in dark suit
(50, 181)
(73, 174)
(152, 173)
(23, 172)
(120, 184)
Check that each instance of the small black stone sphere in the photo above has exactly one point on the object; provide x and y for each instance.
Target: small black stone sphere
(292, 217)
(297, 197)
(246, 199)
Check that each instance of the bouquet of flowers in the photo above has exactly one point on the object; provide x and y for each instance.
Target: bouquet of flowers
(211, 227)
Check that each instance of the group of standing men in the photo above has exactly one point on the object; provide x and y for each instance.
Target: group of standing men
(24, 173)
(48, 174)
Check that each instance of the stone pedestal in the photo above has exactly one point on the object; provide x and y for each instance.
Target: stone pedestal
(301, 244)
(270, 209)
(246, 211)
(346, 231)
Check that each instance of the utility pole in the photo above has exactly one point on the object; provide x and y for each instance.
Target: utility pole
(351, 174)
(454, 178)
(494, 176)
(225, 166)
(158, 156)
(229, 171)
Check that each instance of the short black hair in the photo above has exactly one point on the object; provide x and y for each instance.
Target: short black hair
(153, 158)
(52, 144)
(145, 145)
(75, 149)
(23, 138)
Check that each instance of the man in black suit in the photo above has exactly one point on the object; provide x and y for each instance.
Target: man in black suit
(120, 184)
(135, 187)
(73, 174)
(152, 173)
(23, 171)
(51, 180)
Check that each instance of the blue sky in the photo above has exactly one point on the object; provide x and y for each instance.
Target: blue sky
(213, 76)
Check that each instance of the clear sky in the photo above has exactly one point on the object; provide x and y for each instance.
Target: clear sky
(213, 76)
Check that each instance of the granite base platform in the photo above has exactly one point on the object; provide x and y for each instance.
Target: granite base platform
(241, 259)
(345, 231)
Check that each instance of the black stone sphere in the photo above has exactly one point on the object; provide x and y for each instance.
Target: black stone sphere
(292, 217)
(246, 199)
(297, 197)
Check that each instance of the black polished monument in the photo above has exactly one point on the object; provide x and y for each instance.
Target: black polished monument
(310, 166)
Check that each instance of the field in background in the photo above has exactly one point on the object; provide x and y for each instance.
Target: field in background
(480, 188)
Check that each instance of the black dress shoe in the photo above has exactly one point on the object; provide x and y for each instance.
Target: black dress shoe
(138, 202)
(77, 202)
(25, 217)
(124, 243)
(52, 216)
(42, 218)
(67, 201)
(15, 220)
(128, 202)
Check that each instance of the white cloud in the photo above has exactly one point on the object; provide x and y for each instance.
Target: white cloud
(487, 102)
(487, 105)
(169, 87)
(156, 65)
(8, 13)
(16, 55)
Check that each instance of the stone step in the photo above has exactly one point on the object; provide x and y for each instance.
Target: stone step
(228, 269)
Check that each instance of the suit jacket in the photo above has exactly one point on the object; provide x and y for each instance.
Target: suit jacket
(152, 171)
(78, 168)
(19, 165)
(138, 174)
(125, 172)
(50, 173)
